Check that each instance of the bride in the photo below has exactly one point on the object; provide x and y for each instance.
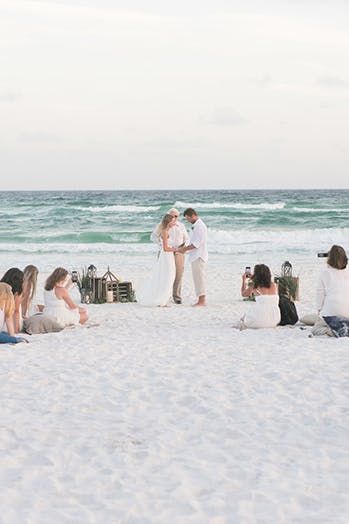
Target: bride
(157, 290)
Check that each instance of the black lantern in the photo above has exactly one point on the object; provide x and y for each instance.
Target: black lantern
(286, 269)
(92, 271)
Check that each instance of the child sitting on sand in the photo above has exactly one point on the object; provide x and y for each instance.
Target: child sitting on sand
(58, 303)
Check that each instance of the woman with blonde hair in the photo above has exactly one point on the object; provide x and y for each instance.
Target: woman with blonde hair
(7, 308)
(30, 277)
(58, 302)
(157, 290)
(14, 277)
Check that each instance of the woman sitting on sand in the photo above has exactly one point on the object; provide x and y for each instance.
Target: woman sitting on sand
(29, 303)
(265, 313)
(14, 277)
(58, 303)
(332, 292)
(7, 308)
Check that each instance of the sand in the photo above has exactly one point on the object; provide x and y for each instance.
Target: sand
(169, 415)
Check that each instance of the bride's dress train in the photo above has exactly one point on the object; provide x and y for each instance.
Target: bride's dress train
(157, 290)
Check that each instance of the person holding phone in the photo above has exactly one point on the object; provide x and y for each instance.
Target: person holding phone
(265, 313)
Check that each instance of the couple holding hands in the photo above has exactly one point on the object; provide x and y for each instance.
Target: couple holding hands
(174, 241)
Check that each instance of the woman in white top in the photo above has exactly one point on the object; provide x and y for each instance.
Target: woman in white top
(332, 292)
(157, 290)
(58, 303)
(265, 312)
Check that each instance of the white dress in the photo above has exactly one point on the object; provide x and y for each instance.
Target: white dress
(157, 290)
(264, 313)
(58, 309)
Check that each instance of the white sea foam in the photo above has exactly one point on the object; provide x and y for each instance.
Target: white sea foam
(231, 205)
(319, 210)
(119, 209)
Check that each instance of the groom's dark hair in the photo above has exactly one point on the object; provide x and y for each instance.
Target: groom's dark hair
(189, 212)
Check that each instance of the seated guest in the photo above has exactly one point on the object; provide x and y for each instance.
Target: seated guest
(265, 313)
(29, 302)
(58, 303)
(332, 292)
(7, 307)
(14, 277)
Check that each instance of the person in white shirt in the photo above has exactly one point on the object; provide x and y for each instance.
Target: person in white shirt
(178, 237)
(197, 253)
(332, 292)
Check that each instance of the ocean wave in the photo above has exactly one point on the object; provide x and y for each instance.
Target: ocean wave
(231, 205)
(219, 241)
(320, 210)
(118, 209)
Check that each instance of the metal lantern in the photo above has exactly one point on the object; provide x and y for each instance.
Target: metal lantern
(110, 287)
(286, 269)
(92, 271)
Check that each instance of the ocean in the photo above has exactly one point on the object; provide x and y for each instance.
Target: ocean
(78, 227)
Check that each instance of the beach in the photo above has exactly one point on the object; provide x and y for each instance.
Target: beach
(159, 415)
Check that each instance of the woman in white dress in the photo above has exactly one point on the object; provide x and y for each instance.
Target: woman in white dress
(157, 290)
(265, 312)
(58, 303)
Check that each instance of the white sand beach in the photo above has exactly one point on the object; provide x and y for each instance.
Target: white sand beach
(170, 416)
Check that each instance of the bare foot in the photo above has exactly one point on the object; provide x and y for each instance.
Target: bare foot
(199, 304)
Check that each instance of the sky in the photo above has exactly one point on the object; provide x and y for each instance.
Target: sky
(112, 94)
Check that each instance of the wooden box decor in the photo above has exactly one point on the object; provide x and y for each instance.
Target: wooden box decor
(125, 292)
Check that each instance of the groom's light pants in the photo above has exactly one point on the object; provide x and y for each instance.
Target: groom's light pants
(177, 285)
(198, 268)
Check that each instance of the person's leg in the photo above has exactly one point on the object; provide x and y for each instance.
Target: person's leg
(177, 285)
(83, 315)
(5, 338)
(321, 328)
(198, 271)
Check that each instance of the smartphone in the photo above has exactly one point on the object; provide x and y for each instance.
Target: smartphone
(322, 255)
(248, 270)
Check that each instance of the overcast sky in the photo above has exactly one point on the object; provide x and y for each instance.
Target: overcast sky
(174, 94)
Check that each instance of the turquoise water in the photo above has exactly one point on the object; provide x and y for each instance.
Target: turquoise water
(63, 221)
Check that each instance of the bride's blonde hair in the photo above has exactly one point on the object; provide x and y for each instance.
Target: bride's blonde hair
(166, 220)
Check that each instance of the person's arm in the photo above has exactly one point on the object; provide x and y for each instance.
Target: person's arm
(196, 240)
(17, 314)
(10, 326)
(320, 293)
(246, 290)
(165, 245)
(25, 301)
(62, 293)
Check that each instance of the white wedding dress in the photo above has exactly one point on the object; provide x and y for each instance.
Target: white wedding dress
(157, 290)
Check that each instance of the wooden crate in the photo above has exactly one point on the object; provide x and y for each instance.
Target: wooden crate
(125, 292)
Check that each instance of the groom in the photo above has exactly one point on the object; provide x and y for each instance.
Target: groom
(198, 254)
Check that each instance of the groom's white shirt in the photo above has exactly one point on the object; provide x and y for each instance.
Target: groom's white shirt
(198, 238)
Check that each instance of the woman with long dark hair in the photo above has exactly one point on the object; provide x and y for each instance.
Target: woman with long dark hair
(265, 313)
